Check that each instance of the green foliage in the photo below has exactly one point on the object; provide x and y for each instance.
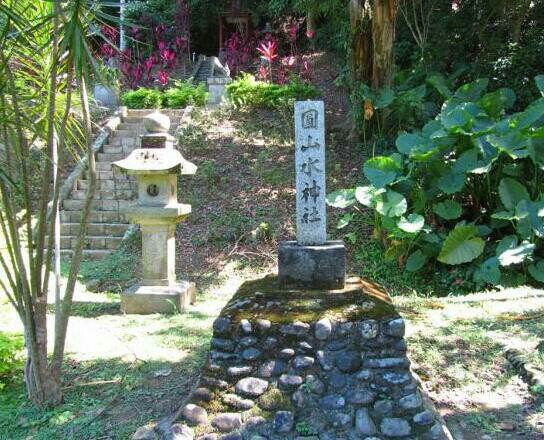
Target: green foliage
(11, 359)
(142, 98)
(183, 94)
(466, 188)
(247, 92)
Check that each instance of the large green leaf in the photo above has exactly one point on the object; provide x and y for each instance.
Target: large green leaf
(456, 119)
(416, 261)
(384, 97)
(448, 209)
(537, 270)
(462, 245)
(341, 198)
(381, 171)
(366, 195)
(451, 182)
(440, 84)
(496, 102)
(466, 162)
(534, 213)
(489, 271)
(411, 224)
(509, 252)
(513, 143)
(408, 142)
(472, 91)
(391, 204)
(512, 192)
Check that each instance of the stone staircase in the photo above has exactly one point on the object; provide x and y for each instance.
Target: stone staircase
(114, 191)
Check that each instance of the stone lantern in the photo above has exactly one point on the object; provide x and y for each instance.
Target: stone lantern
(157, 212)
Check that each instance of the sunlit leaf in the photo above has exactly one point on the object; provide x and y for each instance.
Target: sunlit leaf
(462, 245)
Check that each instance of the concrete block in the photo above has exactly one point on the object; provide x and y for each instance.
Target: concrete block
(145, 300)
(312, 267)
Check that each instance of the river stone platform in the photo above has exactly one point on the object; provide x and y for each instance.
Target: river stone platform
(308, 364)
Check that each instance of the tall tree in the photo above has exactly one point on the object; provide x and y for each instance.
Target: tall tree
(372, 34)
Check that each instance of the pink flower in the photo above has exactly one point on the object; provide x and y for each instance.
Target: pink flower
(310, 33)
(268, 50)
(163, 77)
(162, 45)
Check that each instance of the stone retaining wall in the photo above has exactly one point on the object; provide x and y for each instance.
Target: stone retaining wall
(310, 365)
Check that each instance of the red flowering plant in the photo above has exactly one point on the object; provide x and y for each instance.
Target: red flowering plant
(239, 52)
(269, 52)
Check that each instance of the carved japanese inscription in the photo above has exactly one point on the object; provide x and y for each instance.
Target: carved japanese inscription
(310, 172)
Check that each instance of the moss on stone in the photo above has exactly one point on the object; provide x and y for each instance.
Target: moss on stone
(263, 299)
(274, 400)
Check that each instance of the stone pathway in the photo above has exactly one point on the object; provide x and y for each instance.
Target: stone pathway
(115, 191)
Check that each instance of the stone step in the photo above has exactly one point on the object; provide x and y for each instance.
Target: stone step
(110, 149)
(96, 229)
(97, 205)
(109, 175)
(91, 242)
(104, 194)
(125, 142)
(88, 254)
(109, 157)
(103, 166)
(94, 217)
(136, 125)
(141, 113)
(109, 185)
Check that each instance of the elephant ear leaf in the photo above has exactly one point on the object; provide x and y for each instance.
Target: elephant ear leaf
(448, 210)
(416, 261)
(489, 271)
(381, 171)
(512, 192)
(411, 224)
(462, 245)
(537, 270)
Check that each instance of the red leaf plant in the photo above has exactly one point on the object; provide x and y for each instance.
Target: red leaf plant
(163, 77)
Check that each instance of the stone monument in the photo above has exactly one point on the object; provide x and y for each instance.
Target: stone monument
(307, 354)
(156, 167)
(311, 261)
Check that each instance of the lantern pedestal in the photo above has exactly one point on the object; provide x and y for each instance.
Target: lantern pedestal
(157, 212)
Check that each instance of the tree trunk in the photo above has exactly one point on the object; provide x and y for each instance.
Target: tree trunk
(360, 15)
(372, 24)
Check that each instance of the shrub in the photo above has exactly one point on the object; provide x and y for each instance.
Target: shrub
(11, 359)
(183, 94)
(248, 92)
(467, 188)
(143, 98)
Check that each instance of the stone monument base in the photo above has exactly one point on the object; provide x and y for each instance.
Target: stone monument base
(145, 300)
(310, 364)
(312, 267)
